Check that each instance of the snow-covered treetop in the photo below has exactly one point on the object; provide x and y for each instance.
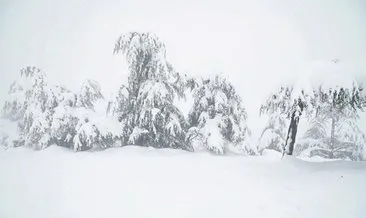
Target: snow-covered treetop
(134, 43)
(61, 95)
(119, 104)
(279, 102)
(338, 101)
(216, 92)
(146, 56)
(155, 94)
(28, 78)
(30, 84)
(90, 92)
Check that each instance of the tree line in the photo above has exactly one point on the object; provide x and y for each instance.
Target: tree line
(143, 111)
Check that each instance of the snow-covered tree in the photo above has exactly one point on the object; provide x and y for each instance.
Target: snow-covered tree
(334, 132)
(63, 120)
(277, 106)
(36, 121)
(77, 125)
(93, 131)
(54, 115)
(145, 106)
(20, 92)
(217, 119)
(118, 107)
(285, 104)
(90, 92)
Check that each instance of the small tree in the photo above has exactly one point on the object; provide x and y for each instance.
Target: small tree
(217, 118)
(282, 105)
(36, 121)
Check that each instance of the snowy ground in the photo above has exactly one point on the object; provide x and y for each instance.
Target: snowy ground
(139, 182)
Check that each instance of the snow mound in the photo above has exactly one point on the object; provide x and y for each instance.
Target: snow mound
(8, 132)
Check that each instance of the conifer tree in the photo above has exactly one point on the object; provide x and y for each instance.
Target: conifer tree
(145, 106)
(217, 119)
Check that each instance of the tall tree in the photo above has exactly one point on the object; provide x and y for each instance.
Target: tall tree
(149, 117)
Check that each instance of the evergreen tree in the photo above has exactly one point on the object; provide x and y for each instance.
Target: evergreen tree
(286, 104)
(334, 123)
(20, 92)
(277, 106)
(217, 119)
(36, 121)
(90, 92)
(147, 111)
(63, 119)
(54, 115)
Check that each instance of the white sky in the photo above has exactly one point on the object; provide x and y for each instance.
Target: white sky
(259, 44)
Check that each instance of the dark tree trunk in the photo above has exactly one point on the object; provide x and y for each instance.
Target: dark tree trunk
(291, 134)
(292, 130)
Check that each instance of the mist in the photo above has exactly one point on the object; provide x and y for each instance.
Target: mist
(257, 44)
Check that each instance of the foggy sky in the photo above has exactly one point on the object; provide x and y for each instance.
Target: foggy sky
(259, 44)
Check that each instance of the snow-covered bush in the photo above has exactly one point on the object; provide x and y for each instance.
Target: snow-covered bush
(48, 115)
(217, 118)
(63, 127)
(274, 134)
(95, 130)
(277, 106)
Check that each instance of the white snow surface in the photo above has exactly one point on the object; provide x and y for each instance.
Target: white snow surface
(8, 132)
(144, 182)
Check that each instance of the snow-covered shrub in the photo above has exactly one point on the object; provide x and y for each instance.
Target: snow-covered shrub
(95, 131)
(48, 115)
(217, 118)
(63, 127)
(274, 134)
(277, 107)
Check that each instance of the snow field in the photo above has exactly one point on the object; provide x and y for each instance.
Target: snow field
(143, 182)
